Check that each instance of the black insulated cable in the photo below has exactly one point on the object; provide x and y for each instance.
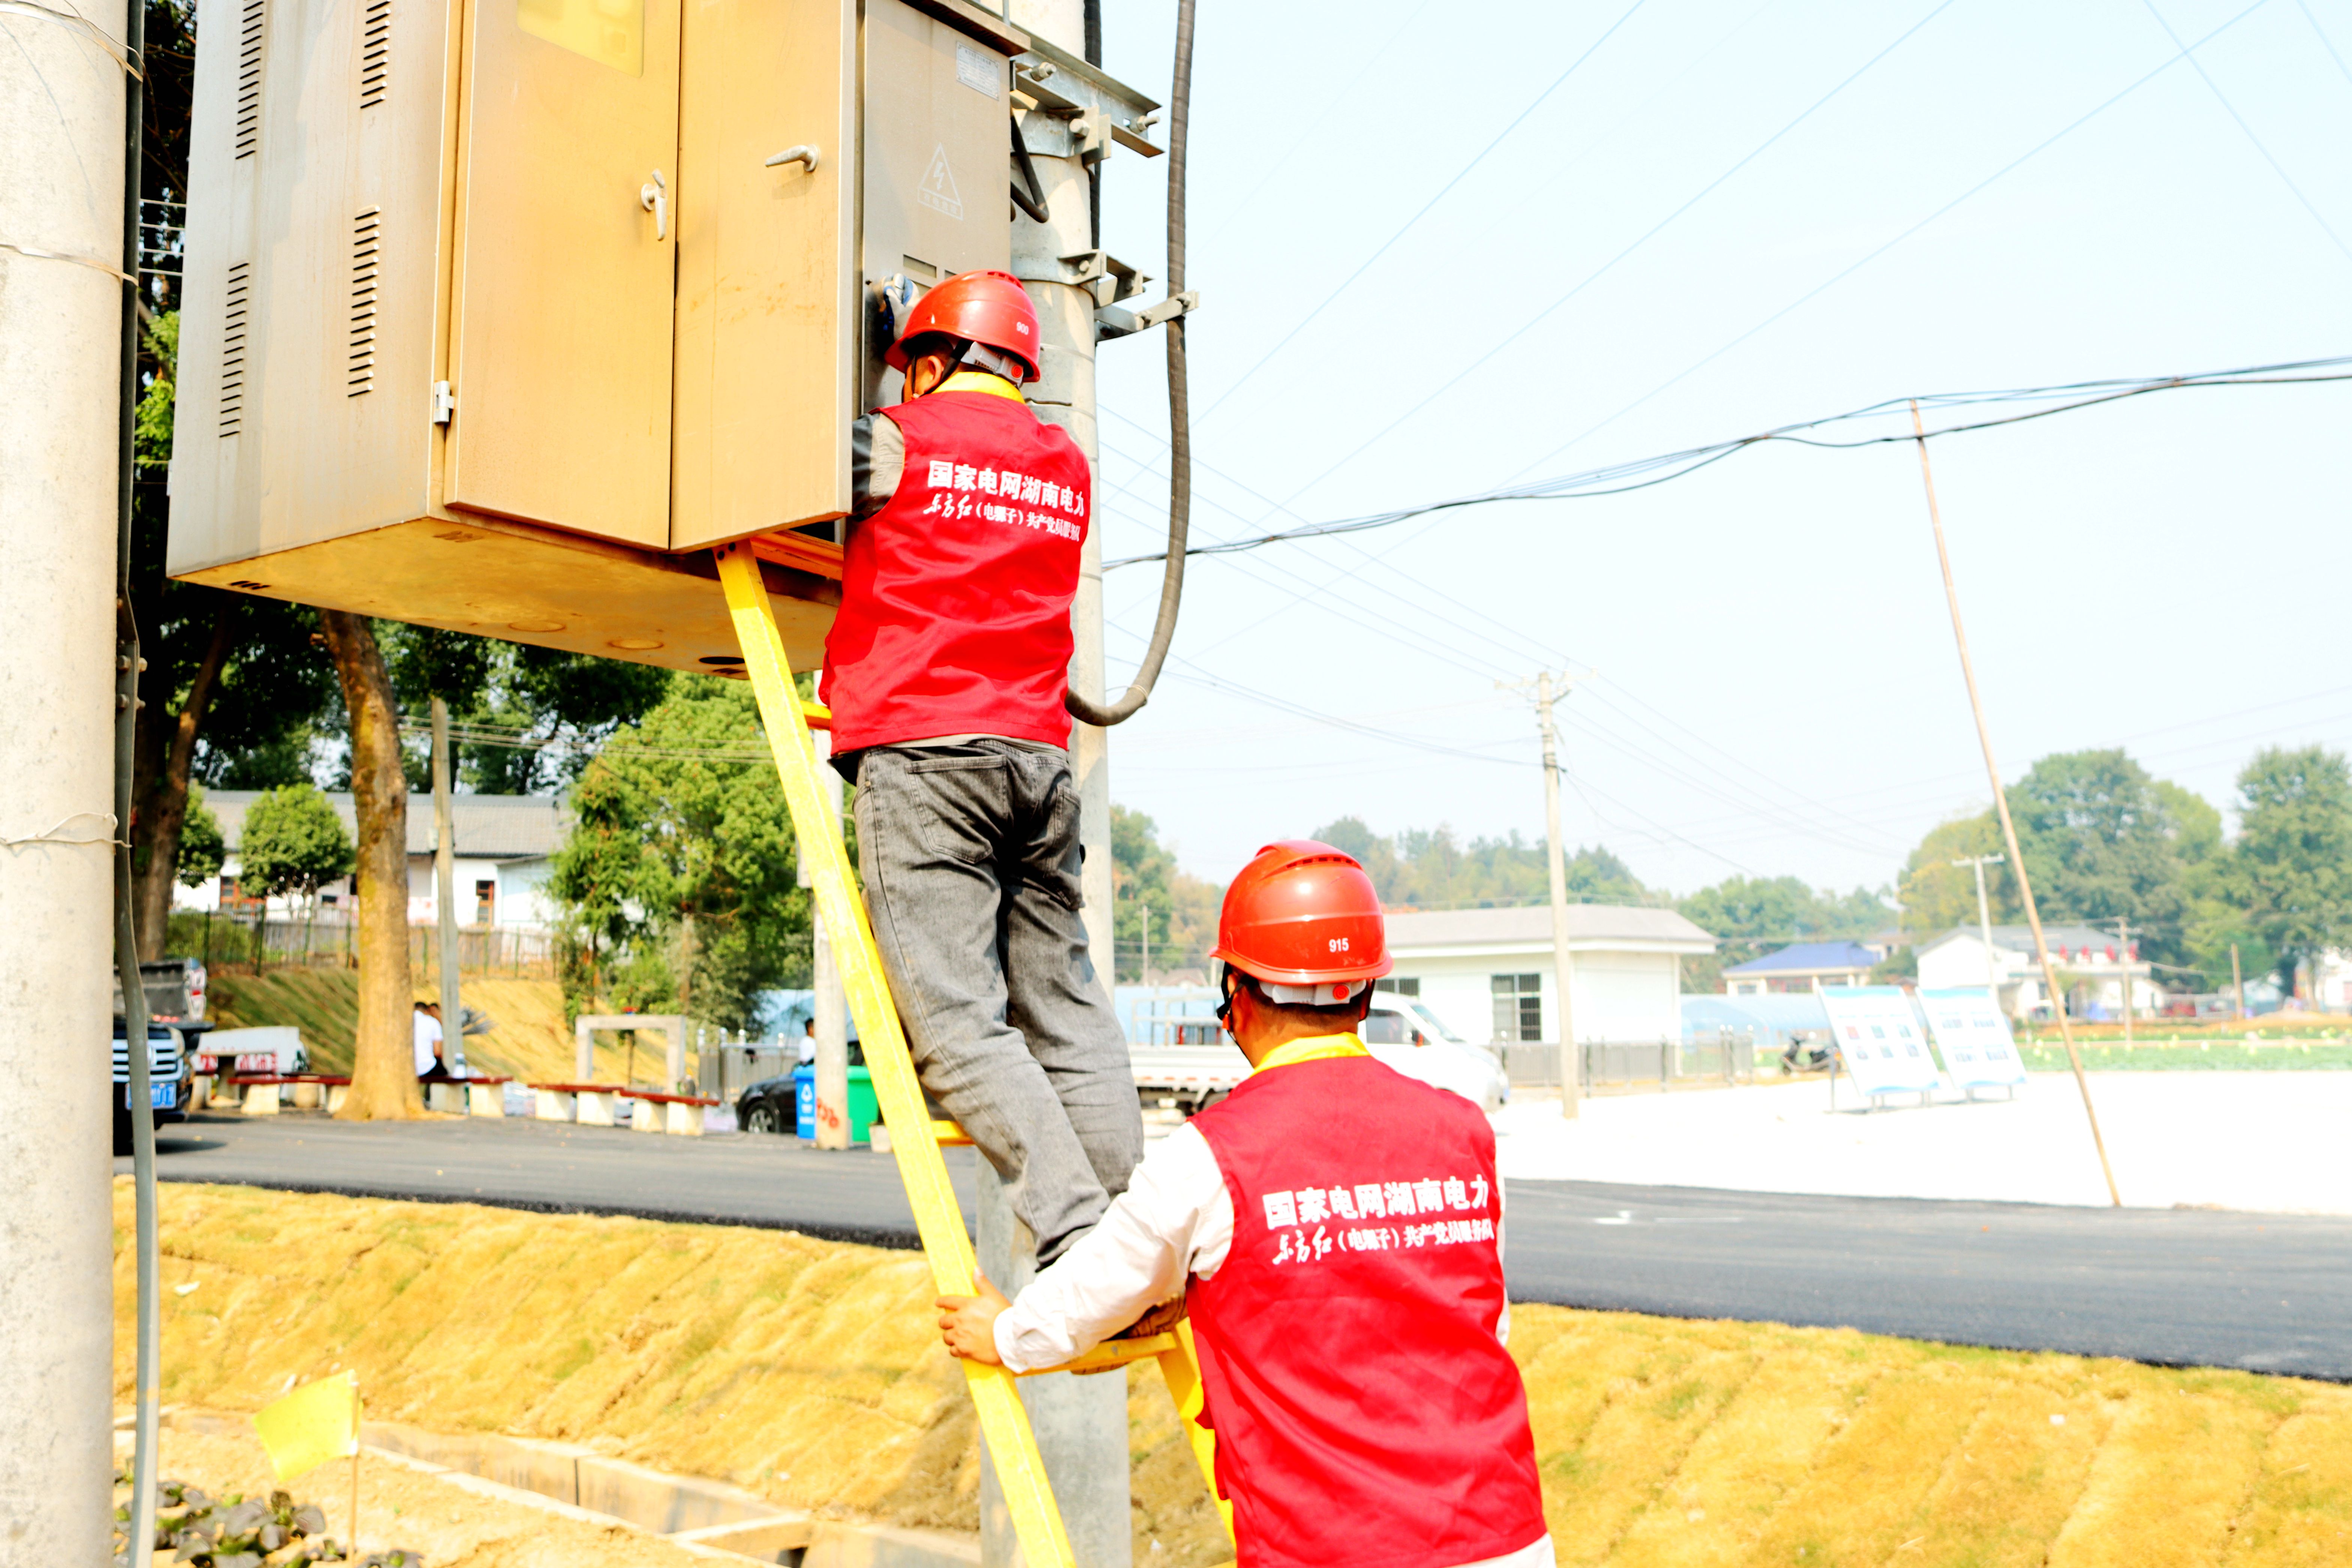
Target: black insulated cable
(1180, 417)
(1032, 200)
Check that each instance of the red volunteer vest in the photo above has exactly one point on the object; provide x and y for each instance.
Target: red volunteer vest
(955, 597)
(1365, 1415)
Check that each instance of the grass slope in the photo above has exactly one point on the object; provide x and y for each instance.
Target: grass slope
(809, 1371)
(532, 1041)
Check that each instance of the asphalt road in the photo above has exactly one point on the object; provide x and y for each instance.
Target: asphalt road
(2262, 1293)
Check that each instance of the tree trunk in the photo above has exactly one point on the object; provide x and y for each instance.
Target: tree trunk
(161, 794)
(383, 1067)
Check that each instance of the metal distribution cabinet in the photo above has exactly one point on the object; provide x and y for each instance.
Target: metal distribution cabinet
(499, 312)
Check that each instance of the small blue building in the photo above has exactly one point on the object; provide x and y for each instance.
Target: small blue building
(1805, 967)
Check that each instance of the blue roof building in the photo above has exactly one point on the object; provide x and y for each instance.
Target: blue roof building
(1805, 967)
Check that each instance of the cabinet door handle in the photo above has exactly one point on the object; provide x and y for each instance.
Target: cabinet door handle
(805, 154)
(654, 196)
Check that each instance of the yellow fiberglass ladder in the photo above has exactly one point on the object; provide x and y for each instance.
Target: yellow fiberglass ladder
(915, 1138)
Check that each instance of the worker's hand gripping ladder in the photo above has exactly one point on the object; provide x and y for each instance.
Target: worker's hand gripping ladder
(914, 1137)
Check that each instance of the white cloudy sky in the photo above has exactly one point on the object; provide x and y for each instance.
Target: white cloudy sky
(1776, 689)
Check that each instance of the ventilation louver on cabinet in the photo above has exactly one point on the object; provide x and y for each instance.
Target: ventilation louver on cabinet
(232, 374)
(375, 53)
(249, 79)
(360, 372)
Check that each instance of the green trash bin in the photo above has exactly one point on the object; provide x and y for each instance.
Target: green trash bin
(865, 1111)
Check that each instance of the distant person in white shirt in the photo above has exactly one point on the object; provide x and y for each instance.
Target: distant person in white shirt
(1335, 1229)
(808, 1044)
(428, 1042)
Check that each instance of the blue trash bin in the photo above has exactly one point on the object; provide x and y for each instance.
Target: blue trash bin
(804, 1101)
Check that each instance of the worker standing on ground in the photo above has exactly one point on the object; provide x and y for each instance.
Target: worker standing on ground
(1340, 1227)
(945, 669)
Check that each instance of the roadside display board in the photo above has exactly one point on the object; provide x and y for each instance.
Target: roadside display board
(1880, 1039)
(1977, 1049)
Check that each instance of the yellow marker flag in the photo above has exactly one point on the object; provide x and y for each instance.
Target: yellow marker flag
(317, 1422)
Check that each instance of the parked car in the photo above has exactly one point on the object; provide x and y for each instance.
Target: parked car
(767, 1106)
(773, 1104)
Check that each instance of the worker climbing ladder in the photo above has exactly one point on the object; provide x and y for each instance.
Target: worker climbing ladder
(914, 1137)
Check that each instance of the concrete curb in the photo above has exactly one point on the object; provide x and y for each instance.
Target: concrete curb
(709, 1518)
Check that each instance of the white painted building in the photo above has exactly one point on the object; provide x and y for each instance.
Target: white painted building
(2088, 964)
(1489, 973)
(505, 844)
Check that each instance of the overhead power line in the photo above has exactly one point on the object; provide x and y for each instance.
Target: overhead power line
(2232, 109)
(1460, 174)
(1643, 473)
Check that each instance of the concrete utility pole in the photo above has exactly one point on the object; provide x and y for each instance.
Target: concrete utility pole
(831, 1007)
(445, 893)
(1984, 916)
(1081, 1422)
(1563, 961)
(61, 219)
(2238, 982)
(2122, 957)
(2000, 802)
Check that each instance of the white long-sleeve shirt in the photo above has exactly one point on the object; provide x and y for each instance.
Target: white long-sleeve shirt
(1175, 1220)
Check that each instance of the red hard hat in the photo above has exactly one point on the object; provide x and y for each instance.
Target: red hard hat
(1303, 913)
(988, 307)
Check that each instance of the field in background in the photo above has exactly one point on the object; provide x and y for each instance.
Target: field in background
(2218, 1055)
(809, 1371)
(530, 1042)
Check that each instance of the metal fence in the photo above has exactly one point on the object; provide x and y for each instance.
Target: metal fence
(727, 1072)
(224, 939)
(1715, 1055)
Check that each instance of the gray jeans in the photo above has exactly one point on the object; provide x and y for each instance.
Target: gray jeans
(970, 857)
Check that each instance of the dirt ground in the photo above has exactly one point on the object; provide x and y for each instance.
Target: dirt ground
(399, 1507)
(809, 1372)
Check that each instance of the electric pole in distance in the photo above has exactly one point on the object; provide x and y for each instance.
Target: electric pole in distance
(2124, 959)
(1563, 963)
(1984, 915)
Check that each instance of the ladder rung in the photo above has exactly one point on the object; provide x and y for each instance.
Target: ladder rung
(1010, 1443)
(1114, 1352)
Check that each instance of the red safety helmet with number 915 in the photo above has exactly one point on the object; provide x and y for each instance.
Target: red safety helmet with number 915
(990, 308)
(1304, 913)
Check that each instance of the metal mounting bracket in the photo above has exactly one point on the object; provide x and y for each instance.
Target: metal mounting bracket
(1046, 79)
(1118, 321)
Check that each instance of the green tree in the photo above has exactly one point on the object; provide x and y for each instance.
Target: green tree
(1153, 895)
(1936, 895)
(2102, 844)
(677, 879)
(293, 843)
(1431, 869)
(527, 719)
(2291, 869)
(203, 848)
(1754, 915)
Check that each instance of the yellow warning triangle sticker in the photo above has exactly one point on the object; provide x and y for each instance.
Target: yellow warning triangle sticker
(939, 187)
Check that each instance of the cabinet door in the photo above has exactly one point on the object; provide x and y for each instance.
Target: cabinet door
(561, 363)
(767, 314)
(939, 154)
